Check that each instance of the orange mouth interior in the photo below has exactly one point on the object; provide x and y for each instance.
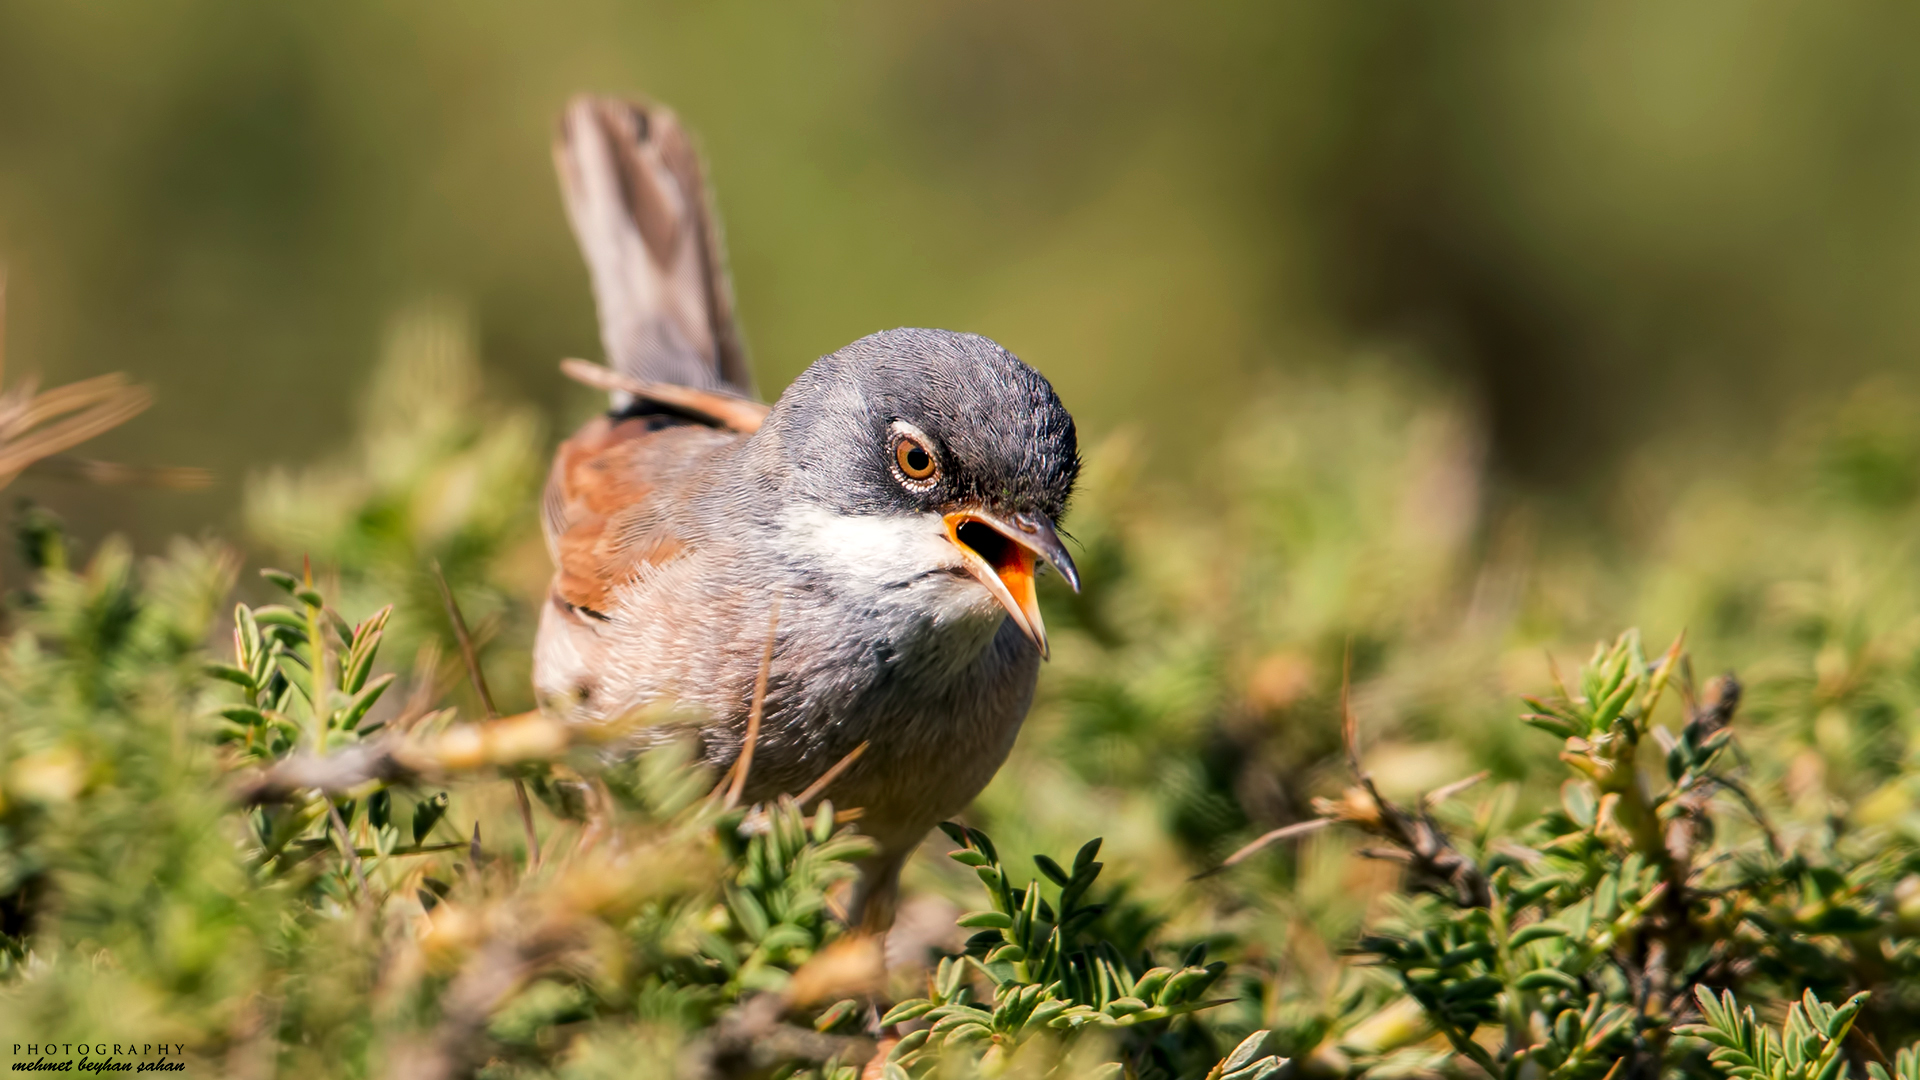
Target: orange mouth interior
(1011, 563)
(1007, 568)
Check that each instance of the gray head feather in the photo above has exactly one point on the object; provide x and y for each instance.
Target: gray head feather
(1002, 438)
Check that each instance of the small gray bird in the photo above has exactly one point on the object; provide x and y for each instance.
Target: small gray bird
(879, 528)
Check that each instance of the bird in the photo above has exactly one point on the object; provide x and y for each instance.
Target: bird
(853, 567)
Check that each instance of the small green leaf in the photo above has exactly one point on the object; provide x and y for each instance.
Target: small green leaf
(840, 1011)
(359, 665)
(280, 615)
(967, 1033)
(823, 822)
(1567, 1028)
(428, 814)
(1615, 703)
(911, 1041)
(1581, 803)
(1547, 979)
(1552, 725)
(356, 709)
(1539, 931)
(229, 673)
(245, 714)
(1466, 954)
(1148, 986)
(1052, 870)
(1045, 1012)
(958, 1019)
(1244, 1054)
(906, 1010)
(979, 840)
(1484, 986)
(748, 914)
(973, 920)
(1184, 984)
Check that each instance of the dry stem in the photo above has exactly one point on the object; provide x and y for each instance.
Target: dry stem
(472, 657)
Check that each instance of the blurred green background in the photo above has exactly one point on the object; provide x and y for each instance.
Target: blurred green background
(1422, 341)
(1569, 210)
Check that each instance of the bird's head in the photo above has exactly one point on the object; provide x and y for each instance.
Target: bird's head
(929, 457)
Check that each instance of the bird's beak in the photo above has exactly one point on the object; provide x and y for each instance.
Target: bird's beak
(1004, 554)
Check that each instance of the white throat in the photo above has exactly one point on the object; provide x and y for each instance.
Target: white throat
(888, 561)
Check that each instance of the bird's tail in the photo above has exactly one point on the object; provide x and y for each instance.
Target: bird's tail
(636, 195)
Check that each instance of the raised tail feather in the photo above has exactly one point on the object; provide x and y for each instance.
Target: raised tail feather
(636, 195)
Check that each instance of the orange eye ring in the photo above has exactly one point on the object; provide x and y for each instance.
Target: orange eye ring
(914, 459)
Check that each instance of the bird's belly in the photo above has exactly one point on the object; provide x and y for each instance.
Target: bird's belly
(937, 702)
(935, 733)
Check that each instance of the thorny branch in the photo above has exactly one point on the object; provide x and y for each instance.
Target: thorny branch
(486, 982)
(396, 760)
(751, 1038)
(1417, 839)
(479, 677)
(335, 774)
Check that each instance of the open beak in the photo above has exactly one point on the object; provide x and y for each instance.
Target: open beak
(1004, 554)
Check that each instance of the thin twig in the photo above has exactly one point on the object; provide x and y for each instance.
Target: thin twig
(115, 474)
(460, 635)
(751, 1036)
(426, 688)
(1754, 809)
(1285, 832)
(115, 407)
(393, 759)
(526, 822)
(489, 978)
(1447, 791)
(1553, 669)
(334, 774)
(415, 849)
(347, 848)
(34, 427)
(1349, 724)
(1418, 840)
(744, 763)
(1350, 733)
(317, 641)
(725, 409)
(472, 657)
(814, 789)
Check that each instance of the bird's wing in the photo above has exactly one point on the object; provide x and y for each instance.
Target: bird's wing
(636, 195)
(614, 507)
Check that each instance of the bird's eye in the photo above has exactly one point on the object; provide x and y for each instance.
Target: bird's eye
(914, 460)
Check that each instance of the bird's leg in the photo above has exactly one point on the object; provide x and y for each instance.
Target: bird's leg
(877, 898)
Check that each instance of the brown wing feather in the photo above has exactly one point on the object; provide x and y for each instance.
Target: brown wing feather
(611, 501)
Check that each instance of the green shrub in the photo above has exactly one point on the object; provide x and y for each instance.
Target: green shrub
(1333, 846)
